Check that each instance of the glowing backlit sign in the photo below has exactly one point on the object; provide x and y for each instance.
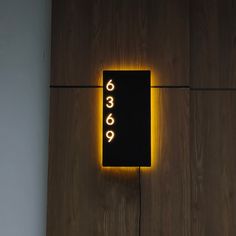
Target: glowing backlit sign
(126, 118)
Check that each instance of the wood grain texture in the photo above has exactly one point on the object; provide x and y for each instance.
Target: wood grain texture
(165, 194)
(213, 163)
(213, 43)
(82, 198)
(89, 36)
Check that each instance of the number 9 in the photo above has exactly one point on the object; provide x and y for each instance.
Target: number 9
(110, 135)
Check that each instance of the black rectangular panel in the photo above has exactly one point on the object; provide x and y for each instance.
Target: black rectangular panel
(126, 118)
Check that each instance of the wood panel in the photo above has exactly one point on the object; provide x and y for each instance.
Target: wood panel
(213, 163)
(165, 190)
(89, 36)
(84, 199)
(213, 43)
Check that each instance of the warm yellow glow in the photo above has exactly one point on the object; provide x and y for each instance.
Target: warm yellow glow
(110, 101)
(124, 65)
(155, 145)
(110, 120)
(110, 86)
(110, 135)
(155, 142)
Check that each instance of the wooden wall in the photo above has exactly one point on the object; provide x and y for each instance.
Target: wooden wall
(190, 47)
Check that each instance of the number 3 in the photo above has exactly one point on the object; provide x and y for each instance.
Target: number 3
(110, 103)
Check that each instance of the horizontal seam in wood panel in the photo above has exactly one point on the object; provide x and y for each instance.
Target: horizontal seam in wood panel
(75, 86)
(213, 89)
(160, 87)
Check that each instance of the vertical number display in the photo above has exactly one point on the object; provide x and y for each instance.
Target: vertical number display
(110, 120)
(126, 136)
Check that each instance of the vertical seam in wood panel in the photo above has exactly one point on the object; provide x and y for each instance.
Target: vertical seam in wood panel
(190, 161)
(189, 45)
(140, 202)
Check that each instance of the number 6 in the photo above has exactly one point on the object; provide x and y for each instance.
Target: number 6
(110, 120)
(110, 86)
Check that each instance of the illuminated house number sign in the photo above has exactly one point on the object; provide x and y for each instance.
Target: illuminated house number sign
(126, 118)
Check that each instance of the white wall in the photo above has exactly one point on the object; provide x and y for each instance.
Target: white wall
(24, 104)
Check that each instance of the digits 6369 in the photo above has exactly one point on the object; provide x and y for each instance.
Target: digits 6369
(110, 120)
